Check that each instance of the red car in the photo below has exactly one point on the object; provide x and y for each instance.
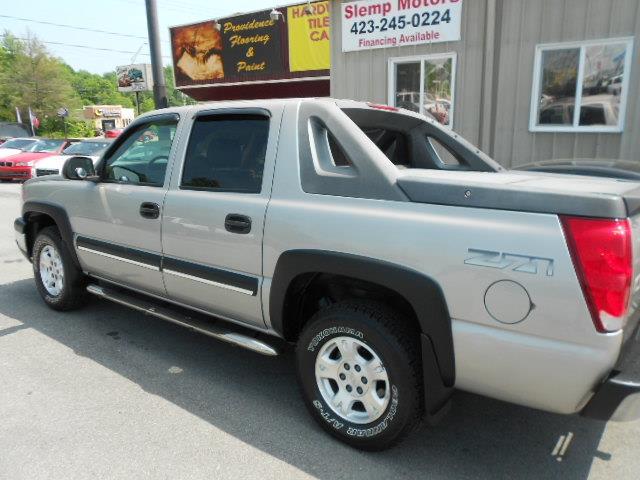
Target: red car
(18, 167)
(114, 133)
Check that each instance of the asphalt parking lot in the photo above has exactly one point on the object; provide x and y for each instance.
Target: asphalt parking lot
(109, 393)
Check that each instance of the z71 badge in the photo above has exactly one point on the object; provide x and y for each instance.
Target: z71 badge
(512, 261)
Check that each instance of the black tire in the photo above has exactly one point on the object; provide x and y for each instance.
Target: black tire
(73, 293)
(388, 335)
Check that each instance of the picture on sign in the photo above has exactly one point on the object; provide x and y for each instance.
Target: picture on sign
(383, 24)
(309, 47)
(197, 53)
(134, 78)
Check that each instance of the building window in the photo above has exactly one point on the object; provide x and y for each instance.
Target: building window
(581, 87)
(424, 84)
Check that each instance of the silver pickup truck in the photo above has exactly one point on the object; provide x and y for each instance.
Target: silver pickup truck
(401, 261)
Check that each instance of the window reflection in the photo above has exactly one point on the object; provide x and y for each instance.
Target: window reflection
(559, 80)
(437, 88)
(602, 85)
(408, 86)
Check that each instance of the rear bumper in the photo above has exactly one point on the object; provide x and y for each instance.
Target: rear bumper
(618, 398)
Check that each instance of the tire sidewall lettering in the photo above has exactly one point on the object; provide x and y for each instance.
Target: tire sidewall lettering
(332, 331)
(327, 414)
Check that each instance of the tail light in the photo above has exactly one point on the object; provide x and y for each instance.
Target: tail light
(602, 255)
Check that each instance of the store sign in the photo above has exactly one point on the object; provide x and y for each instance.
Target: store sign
(108, 112)
(134, 78)
(309, 47)
(396, 23)
(253, 47)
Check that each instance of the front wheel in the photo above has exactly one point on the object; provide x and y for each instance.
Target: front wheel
(60, 283)
(360, 372)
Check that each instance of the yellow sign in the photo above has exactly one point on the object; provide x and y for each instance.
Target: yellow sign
(309, 47)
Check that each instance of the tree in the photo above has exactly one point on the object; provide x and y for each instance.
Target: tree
(30, 77)
(94, 89)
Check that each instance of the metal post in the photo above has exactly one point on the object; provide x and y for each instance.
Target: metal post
(64, 125)
(159, 85)
(138, 101)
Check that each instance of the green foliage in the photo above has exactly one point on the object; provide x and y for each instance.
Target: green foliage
(31, 77)
(96, 89)
(53, 127)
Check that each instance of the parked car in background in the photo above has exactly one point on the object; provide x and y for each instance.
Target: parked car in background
(18, 167)
(615, 87)
(91, 148)
(16, 145)
(112, 133)
(620, 169)
(10, 130)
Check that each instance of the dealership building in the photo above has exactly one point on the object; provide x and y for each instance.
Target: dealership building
(524, 80)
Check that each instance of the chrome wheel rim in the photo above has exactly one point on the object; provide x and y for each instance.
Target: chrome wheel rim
(51, 271)
(352, 380)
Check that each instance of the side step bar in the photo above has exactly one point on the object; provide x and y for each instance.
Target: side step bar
(197, 322)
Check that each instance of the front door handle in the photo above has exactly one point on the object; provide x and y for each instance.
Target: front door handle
(149, 210)
(236, 223)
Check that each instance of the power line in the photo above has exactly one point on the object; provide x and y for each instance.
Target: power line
(72, 26)
(83, 46)
(85, 29)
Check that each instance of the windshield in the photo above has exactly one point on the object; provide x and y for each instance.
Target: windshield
(45, 146)
(86, 148)
(18, 143)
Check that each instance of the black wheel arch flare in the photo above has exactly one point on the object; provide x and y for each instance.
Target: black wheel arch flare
(423, 293)
(30, 212)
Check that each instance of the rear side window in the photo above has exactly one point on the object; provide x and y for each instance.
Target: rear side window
(226, 153)
(441, 153)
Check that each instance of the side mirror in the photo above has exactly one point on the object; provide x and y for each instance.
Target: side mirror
(79, 168)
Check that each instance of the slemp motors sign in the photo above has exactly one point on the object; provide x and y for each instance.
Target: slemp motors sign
(395, 23)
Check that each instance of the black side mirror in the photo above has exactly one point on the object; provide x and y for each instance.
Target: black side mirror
(79, 168)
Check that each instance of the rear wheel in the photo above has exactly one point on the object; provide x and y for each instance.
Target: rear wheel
(360, 372)
(60, 283)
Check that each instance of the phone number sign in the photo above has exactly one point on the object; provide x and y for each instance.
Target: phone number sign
(396, 23)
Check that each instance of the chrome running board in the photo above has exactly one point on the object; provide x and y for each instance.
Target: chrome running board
(196, 322)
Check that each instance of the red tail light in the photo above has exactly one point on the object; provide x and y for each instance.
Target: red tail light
(603, 258)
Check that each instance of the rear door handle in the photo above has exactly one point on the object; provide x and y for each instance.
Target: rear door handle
(149, 210)
(236, 223)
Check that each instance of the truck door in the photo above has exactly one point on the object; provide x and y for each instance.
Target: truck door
(214, 213)
(117, 220)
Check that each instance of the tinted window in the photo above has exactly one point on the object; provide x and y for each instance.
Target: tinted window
(143, 156)
(441, 153)
(86, 148)
(46, 146)
(226, 153)
(18, 144)
(339, 157)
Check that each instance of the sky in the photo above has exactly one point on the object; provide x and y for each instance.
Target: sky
(125, 17)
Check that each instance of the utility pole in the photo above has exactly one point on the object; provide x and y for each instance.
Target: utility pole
(159, 85)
